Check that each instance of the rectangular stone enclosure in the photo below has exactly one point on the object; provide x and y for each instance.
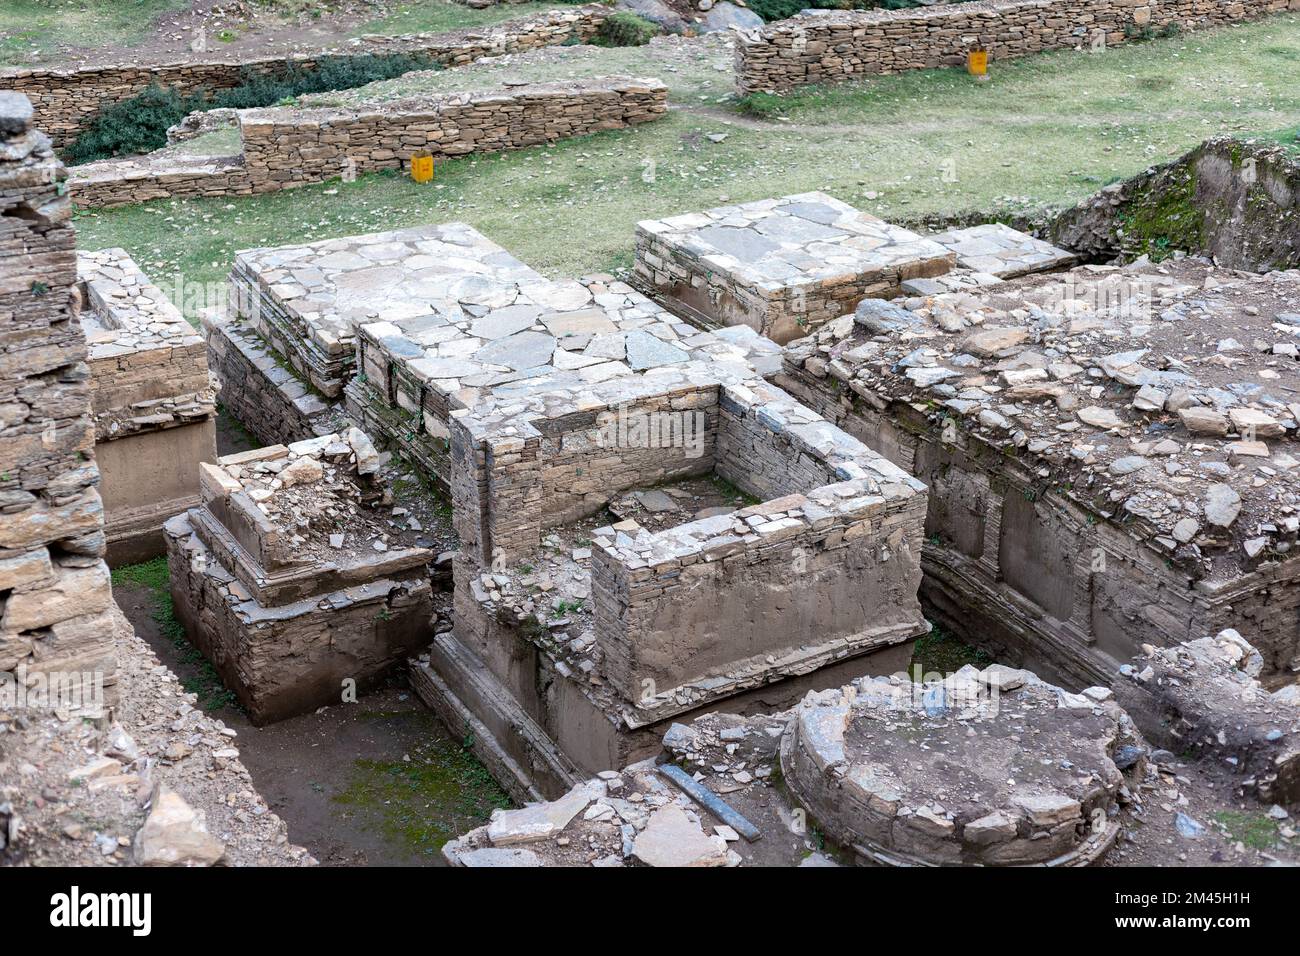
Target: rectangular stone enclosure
(781, 266)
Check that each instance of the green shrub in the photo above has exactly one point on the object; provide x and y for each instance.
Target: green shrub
(139, 124)
(625, 29)
(761, 105)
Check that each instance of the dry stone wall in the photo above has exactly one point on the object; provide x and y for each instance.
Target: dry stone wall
(55, 599)
(285, 147)
(66, 100)
(837, 46)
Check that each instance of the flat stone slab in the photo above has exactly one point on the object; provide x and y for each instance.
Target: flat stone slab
(781, 266)
(538, 822)
(998, 250)
(672, 839)
(806, 238)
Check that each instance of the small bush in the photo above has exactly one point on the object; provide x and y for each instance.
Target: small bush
(625, 29)
(139, 124)
(760, 105)
(136, 125)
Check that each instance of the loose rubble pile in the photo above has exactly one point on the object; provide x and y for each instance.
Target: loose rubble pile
(779, 265)
(299, 576)
(1203, 699)
(1156, 400)
(153, 398)
(160, 784)
(991, 767)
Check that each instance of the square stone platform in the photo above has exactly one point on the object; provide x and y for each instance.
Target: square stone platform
(297, 574)
(306, 301)
(997, 249)
(781, 266)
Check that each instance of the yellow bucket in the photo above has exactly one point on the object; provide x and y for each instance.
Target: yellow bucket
(422, 167)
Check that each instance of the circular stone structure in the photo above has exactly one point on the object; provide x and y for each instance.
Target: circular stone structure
(991, 768)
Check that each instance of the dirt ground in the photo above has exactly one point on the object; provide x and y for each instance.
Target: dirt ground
(379, 782)
(231, 29)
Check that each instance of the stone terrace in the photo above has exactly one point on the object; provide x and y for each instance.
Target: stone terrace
(154, 402)
(781, 266)
(551, 336)
(1112, 450)
(307, 301)
(297, 573)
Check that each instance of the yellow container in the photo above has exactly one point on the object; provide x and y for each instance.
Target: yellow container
(977, 62)
(422, 167)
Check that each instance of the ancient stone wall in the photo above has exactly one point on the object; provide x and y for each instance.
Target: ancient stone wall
(1237, 201)
(285, 146)
(829, 567)
(507, 489)
(154, 405)
(258, 390)
(838, 46)
(1017, 569)
(55, 599)
(66, 100)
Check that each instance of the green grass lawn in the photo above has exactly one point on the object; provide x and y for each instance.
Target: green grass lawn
(437, 16)
(29, 27)
(1046, 130)
(30, 30)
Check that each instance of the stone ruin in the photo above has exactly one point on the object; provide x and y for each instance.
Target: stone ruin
(889, 771)
(781, 266)
(56, 615)
(634, 623)
(97, 740)
(691, 539)
(153, 399)
(604, 563)
(1204, 697)
(298, 572)
(1110, 454)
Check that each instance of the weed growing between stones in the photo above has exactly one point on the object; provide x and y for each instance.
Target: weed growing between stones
(940, 653)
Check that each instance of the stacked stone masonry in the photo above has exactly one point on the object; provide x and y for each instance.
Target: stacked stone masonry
(284, 147)
(294, 577)
(153, 399)
(781, 266)
(1110, 454)
(724, 789)
(66, 100)
(830, 47)
(55, 585)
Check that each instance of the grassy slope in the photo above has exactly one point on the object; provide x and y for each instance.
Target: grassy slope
(28, 26)
(1046, 130)
(437, 16)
